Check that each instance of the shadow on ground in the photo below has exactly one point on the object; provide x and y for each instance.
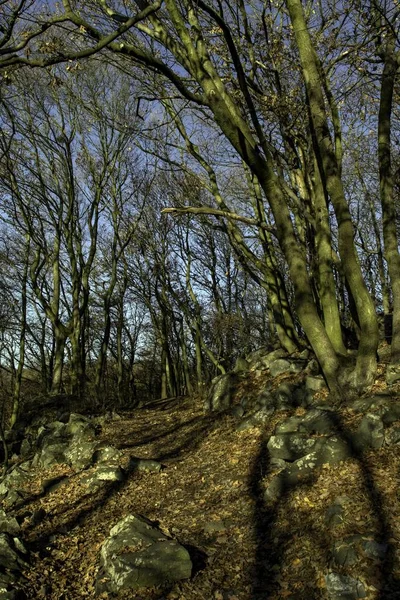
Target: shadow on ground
(273, 539)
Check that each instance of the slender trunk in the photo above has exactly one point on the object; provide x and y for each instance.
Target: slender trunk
(390, 236)
(326, 281)
(59, 346)
(22, 341)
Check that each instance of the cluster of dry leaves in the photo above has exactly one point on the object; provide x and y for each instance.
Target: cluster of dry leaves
(209, 496)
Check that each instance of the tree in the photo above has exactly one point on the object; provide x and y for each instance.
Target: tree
(245, 74)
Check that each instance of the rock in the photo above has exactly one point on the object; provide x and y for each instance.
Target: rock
(313, 367)
(26, 447)
(370, 433)
(262, 415)
(138, 555)
(106, 454)
(391, 413)
(344, 551)
(290, 446)
(241, 365)
(283, 396)
(10, 553)
(334, 515)
(248, 423)
(80, 426)
(297, 365)
(266, 399)
(8, 524)
(392, 374)
(262, 358)
(12, 498)
(287, 479)
(374, 550)
(277, 367)
(72, 443)
(237, 411)
(16, 479)
(313, 421)
(79, 453)
(144, 464)
(315, 384)
(7, 595)
(221, 392)
(332, 450)
(392, 436)
(102, 474)
(52, 484)
(343, 587)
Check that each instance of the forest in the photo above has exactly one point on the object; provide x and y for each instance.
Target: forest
(199, 263)
(183, 183)
(268, 130)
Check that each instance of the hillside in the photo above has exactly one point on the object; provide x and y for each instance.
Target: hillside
(209, 495)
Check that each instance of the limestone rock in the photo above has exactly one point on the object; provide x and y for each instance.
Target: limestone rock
(343, 587)
(102, 474)
(241, 365)
(370, 433)
(221, 392)
(279, 366)
(10, 553)
(315, 384)
(72, 443)
(345, 552)
(106, 454)
(392, 435)
(262, 358)
(8, 524)
(392, 374)
(138, 555)
(144, 464)
(290, 446)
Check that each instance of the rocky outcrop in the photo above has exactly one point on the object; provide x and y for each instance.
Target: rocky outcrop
(223, 388)
(13, 556)
(72, 443)
(138, 555)
(221, 392)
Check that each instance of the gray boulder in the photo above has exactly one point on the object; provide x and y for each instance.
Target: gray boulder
(144, 464)
(106, 454)
(8, 524)
(241, 365)
(314, 420)
(262, 358)
(14, 483)
(370, 433)
(392, 435)
(72, 443)
(103, 474)
(343, 587)
(221, 392)
(138, 555)
(12, 553)
(290, 446)
(279, 366)
(392, 374)
(345, 552)
(315, 384)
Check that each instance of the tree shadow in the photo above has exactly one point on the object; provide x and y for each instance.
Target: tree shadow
(267, 530)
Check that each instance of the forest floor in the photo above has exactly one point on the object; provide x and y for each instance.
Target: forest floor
(209, 496)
